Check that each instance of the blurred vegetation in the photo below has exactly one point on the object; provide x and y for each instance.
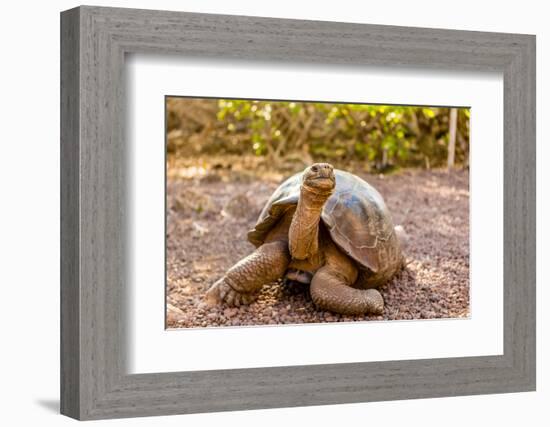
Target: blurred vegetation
(381, 137)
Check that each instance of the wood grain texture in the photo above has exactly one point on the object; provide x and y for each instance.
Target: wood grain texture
(94, 270)
(70, 264)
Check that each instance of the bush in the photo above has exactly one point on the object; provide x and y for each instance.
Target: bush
(381, 136)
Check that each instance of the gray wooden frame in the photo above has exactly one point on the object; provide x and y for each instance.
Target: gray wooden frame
(94, 41)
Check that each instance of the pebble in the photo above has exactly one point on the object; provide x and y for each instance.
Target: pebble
(238, 206)
(230, 312)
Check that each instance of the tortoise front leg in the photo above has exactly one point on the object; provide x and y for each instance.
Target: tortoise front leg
(331, 291)
(244, 279)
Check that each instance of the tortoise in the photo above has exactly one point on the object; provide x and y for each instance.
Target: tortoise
(324, 227)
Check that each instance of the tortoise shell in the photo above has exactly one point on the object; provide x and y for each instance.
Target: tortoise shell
(355, 215)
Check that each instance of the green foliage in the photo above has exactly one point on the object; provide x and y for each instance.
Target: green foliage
(378, 135)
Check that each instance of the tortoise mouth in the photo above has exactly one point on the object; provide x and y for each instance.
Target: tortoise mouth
(320, 182)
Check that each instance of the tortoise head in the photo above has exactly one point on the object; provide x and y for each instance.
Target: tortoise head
(319, 177)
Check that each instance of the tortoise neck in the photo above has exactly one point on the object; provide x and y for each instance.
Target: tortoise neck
(304, 228)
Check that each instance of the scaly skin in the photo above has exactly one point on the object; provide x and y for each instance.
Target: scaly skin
(330, 291)
(244, 279)
(303, 234)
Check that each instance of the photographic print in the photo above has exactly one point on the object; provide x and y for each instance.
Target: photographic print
(294, 212)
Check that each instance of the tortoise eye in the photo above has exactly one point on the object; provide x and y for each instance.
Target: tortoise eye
(314, 168)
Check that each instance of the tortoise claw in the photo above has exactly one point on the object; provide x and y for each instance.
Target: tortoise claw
(230, 298)
(217, 292)
(220, 292)
(248, 298)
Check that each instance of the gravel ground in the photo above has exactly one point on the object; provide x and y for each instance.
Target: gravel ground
(209, 216)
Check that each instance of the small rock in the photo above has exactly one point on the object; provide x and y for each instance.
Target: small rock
(199, 229)
(173, 308)
(172, 318)
(230, 312)
(238, 206)
(210, 178)
(193, 202)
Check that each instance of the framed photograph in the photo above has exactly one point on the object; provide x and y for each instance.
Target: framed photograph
(261, 213)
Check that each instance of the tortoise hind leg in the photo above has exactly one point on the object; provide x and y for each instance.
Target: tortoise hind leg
(241, 282)
(331, 291)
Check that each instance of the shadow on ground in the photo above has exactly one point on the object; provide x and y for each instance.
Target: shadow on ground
(51, 405)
